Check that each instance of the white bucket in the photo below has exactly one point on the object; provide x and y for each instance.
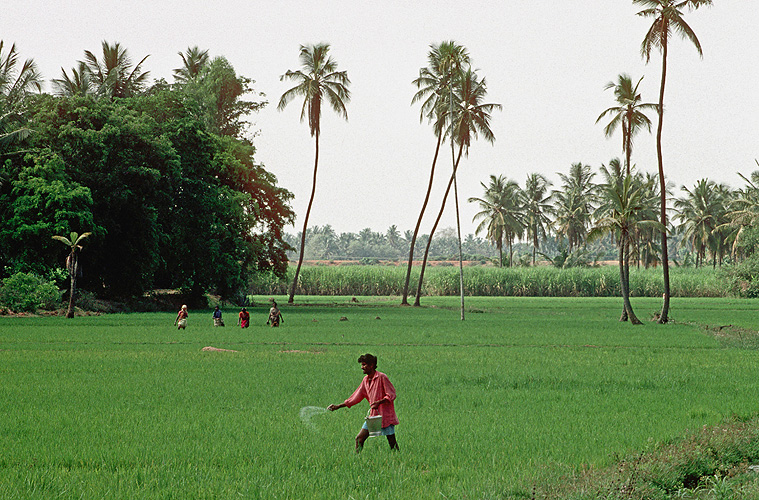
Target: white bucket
(374, 425)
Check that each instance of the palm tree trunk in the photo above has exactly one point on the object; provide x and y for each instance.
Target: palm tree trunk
(458, 230)
(664, 316)
(432, 231)
(73, 270)
(404, 301)
(290, 300)
(624, 268)
(625, 316)
(628, 146)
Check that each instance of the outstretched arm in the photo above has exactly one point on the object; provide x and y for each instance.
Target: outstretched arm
(336, 407)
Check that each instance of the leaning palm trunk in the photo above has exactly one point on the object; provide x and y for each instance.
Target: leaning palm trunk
(404, 301)
(305, 226)
(434, 227)
(624, 268)
(664, 316)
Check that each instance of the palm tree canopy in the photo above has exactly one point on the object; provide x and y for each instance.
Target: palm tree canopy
(629, 113)
(16, 82)
(614, 171)
(500, 213)
(746, 203)
(115, 73)
(471, 117)
(622, 208)
(80, 82)
(318, 79)
(668, 18)
(537, 206)
(701, 211)
(193, 62)
(574, 203)
(73, 241)
(444, 60)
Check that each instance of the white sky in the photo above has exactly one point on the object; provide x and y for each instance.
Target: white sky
(545, 62)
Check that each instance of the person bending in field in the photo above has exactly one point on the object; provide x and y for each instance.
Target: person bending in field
(217, 320)
(181, 321)
(244, 318)
(377, 389)
(275, 315)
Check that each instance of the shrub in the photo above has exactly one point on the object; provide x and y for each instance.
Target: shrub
(86, 300)
(26, 292)
(744, 278)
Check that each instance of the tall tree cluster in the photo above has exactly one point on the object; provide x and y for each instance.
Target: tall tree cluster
(162, 176)
(453, 101)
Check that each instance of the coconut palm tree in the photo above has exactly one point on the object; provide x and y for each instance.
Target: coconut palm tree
(16, 82)
(744, 209)
(72, 263)
(469, 120)
(537, 208)
(668, 18)
(80, 83)
(574, 204)
(619, 213)
(317, 80)
(434, 84)
(499, 215)
(115, 74)
(193, 62)
(572, 219)
(393, 236)
(701, 212)
(628, 114)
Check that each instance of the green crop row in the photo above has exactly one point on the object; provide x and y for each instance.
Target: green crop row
(538, 281)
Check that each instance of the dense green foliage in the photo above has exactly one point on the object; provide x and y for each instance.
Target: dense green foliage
(522, 393)
(26, 292)
(164, 178)
(539, 281)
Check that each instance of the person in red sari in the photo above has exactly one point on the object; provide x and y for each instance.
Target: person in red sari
(377, 389)
(244, 319)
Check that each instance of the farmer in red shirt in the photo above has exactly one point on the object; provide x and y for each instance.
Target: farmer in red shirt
(377, 389)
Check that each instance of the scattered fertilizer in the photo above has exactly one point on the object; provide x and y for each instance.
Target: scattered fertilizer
(308, 412)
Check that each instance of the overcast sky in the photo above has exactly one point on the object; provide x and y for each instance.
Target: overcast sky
(546, 62)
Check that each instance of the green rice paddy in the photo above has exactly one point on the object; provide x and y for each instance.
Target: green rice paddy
(526, 390)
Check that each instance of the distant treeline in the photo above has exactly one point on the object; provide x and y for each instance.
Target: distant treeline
(368, 246)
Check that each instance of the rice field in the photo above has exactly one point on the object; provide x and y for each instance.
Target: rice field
(523, 392)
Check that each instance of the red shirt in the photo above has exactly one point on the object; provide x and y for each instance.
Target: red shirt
(374, 389)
